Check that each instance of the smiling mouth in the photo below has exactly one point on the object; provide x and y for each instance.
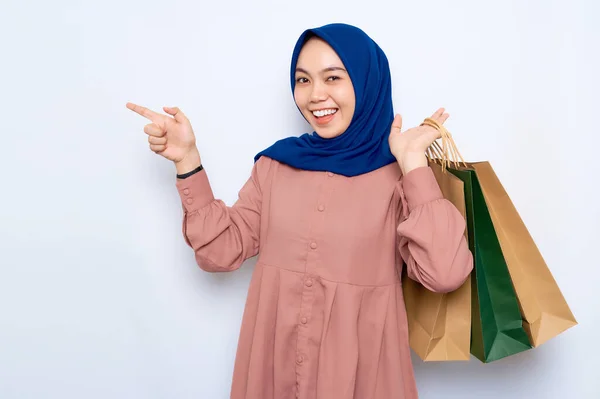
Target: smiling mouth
(324, 116)
(324, 112)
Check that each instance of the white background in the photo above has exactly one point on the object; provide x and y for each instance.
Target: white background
(99, 295)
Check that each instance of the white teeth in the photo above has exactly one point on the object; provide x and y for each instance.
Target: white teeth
(324, 112)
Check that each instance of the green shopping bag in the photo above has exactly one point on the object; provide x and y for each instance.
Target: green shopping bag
(497, 326)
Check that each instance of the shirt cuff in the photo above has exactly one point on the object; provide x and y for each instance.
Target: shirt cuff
(195, 191)
(420, 187)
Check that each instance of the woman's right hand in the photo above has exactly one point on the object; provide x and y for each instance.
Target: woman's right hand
(170, 135)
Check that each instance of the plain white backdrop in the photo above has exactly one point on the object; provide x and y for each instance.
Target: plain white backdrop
(99, 295)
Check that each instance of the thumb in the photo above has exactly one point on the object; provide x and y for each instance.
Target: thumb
(397, 123)
(175, 113)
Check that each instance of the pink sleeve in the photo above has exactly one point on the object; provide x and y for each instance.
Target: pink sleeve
(431, 234)
(222, 237)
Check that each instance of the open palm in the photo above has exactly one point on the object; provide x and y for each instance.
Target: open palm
(415, 140)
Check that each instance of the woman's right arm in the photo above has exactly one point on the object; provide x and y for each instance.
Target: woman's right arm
(222, 237)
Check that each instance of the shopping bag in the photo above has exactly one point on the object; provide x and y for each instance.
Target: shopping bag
(497, 329)
(439, 324)
(545, 310)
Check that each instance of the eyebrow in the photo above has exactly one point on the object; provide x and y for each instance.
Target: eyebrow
(328, 69)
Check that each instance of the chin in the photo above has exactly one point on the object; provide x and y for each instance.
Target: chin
(328, 133)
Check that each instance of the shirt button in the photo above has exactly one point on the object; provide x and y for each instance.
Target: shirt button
(308, 283)
(321, 208)
(329, 174)
(304, 320)
(186, 191)
(313, 245)
(299, 359)
(189, 200)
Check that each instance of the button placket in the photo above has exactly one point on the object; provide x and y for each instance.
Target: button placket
(302, 361)
(303, 351)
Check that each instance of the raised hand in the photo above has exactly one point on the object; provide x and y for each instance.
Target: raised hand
(409, 147)
(170, 136)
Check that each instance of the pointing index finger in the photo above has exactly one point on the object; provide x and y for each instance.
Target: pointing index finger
(143, 111)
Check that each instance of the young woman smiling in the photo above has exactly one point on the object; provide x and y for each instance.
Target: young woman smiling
(333, 216)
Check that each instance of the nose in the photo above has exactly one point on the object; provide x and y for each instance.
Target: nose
(318, 93)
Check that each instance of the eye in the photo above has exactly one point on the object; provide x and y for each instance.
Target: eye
(333, 78)
(301, 80)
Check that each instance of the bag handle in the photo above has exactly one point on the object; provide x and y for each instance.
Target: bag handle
(447, 153)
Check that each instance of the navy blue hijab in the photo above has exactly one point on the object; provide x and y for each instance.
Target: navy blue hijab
(364, 146)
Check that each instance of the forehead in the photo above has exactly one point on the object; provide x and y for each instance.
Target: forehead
(317, 53)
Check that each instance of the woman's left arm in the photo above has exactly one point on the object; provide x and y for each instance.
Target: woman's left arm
(432, 234)
(432, 231)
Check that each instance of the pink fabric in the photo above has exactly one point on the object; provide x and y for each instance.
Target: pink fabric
(325, 315)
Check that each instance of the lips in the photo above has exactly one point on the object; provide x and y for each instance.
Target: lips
(323, 120)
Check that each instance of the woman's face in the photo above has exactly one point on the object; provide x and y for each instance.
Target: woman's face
(323, 92)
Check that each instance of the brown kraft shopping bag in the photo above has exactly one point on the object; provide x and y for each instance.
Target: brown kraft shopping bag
(545, 311)
(440, 324)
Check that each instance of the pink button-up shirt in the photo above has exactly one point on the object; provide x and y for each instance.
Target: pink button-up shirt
(325, 315)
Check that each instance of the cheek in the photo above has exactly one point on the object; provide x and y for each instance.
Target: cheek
(300, 99)
(345, 96)
(350, 110)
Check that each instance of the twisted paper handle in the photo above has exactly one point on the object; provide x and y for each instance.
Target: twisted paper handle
(447, 153)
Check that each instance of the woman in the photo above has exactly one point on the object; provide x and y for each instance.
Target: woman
(333, 216)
